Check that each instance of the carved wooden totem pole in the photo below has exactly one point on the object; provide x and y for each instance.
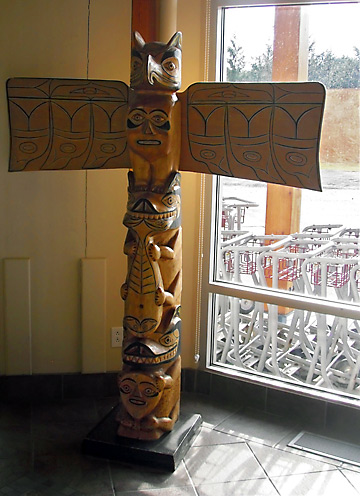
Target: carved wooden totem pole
(150, 380)
(267, 132)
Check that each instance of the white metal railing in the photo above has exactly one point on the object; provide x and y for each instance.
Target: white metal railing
(301, 343)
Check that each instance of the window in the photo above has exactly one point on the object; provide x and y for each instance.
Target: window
(284, 268)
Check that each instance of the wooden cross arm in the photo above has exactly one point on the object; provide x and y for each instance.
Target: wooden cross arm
(71, 124)
(263, 131)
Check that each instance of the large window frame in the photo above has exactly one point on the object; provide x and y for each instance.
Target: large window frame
(212, 287)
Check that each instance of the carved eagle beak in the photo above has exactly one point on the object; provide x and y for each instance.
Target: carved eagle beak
(152, 67)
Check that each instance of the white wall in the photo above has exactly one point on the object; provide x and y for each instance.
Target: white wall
(61, 232)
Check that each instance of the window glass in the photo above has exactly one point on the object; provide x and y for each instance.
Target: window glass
(248, 336)
(335, 61)
(317, 259)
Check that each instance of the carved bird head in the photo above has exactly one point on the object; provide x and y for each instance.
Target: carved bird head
(156, 65)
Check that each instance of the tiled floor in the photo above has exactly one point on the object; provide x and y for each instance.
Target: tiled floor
(238, 452)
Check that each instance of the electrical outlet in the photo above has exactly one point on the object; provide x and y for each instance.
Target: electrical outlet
(116, 337)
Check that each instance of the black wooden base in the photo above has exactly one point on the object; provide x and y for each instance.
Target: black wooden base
(165, 453)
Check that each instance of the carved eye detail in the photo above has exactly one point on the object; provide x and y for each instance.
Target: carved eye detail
(125, 388)
(170, 200)
(160, 120)
(167, 340)
(149, 391)
(136, 64)
(136, 118)
(170, 66)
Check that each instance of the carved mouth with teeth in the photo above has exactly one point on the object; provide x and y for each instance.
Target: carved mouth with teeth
(165, 215)
(148, 142)
(148, 353)
(144, 208)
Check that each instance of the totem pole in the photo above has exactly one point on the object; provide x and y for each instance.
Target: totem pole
(265, 131)
(150, 380)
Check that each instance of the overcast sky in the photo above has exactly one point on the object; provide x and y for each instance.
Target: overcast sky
(332, 27)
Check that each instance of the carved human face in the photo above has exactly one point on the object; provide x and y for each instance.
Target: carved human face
(149, 126)
(161, 347)
(153, 208)
(140, 393)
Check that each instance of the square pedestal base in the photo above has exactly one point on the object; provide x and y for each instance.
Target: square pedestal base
(165, 453)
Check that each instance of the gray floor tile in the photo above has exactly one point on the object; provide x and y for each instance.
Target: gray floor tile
(353, 477)
(65, 411)
(328, 483)
(57, 476)
(311, 456)
(276, 462)
(257, 487)
(222, 463)
(212, 413)
(14, 415)
(168, 491)
(104, 405)
(138, 478)
(14, 444)
(289, 436)
(238, 452)
(11, 471)
(257, 426)
(71, 434)
(350, 466)
(283, 445)
(48, 448)
(210, 437)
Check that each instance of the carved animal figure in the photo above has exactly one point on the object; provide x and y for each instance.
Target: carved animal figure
(156, 64)
(149, 401)
(154, 114)
(145, 291)
(153, 247)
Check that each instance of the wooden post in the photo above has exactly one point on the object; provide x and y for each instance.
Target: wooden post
(150, 379)
(154, 19)
(289, 64)
(144, 18)
(283, 203)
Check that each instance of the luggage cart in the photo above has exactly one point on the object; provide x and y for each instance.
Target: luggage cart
(337, 347)
(354, 378)
(307, 347)
(234, 211)
(322, 229)
(233, 216)
(233, 312)
(285, 265)
(349, 232)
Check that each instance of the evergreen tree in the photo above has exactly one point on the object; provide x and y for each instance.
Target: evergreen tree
(261, 67)
(326, 67)
(332, 71)
(236, 60)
